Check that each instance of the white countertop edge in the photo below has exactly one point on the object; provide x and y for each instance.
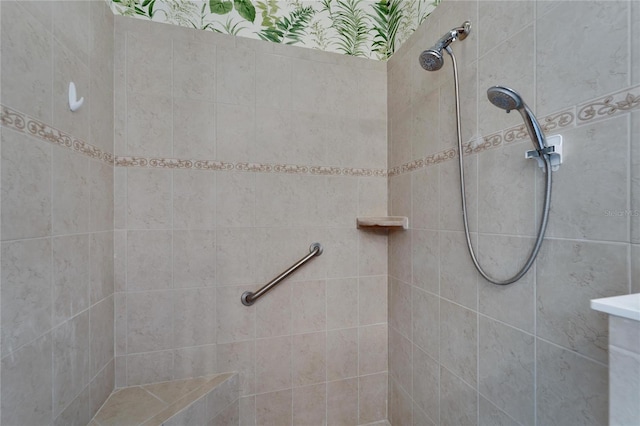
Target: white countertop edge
(627, 306)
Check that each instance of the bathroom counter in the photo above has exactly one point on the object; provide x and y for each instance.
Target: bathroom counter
(627, 306)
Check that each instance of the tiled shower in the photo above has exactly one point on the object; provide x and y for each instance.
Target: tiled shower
(201, 165)
(470, 352)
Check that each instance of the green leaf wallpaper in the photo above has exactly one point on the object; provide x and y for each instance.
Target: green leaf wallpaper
(365, 28)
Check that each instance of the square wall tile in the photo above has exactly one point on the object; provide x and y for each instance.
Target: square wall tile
(26, 169)
(309, 362)
(506, 369)
(71, 360)
(27, 58)
(235, 76)
(71, 290)
(26, 292)
(372, 297)
(194, 199)
(273, 366)
(342, 303)
(458, 337)
(274, 408)
(310, 405)
(149, 199)
(194, 317)
(308, 306)
(149, 322)
(71, 192)
(342, 402)
(27, 401)
(194, 259)
(342, 351)
(149, 260)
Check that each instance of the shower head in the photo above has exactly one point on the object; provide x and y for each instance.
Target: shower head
(431, 59)
(504, 98)
(508, 99)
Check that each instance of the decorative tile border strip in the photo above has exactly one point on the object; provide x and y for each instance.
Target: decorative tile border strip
(175, 163)
(24, 123)
(605, 107)
(549, 123)
(171, 163)
(620, 102)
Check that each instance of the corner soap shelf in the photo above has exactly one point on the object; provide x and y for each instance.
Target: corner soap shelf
(388, 222)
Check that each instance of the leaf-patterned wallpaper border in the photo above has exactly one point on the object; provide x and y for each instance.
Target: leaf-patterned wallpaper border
(365, 28)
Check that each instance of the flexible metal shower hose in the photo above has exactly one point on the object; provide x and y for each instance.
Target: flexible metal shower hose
(547, 199)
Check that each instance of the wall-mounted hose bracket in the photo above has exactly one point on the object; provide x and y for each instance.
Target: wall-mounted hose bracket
(553, 150)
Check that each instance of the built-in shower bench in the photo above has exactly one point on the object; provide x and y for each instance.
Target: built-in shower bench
(210, 400)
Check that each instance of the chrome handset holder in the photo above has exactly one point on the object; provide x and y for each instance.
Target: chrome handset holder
(553, 150)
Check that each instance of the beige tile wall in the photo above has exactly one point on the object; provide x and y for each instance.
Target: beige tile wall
(189, 242)
(57, 212)
(533, 352)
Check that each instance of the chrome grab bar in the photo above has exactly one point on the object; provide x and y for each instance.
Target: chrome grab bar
(248, 298)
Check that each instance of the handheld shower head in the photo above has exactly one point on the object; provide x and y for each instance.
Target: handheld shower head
(508, 99)
(504, 98)
(431, 59)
